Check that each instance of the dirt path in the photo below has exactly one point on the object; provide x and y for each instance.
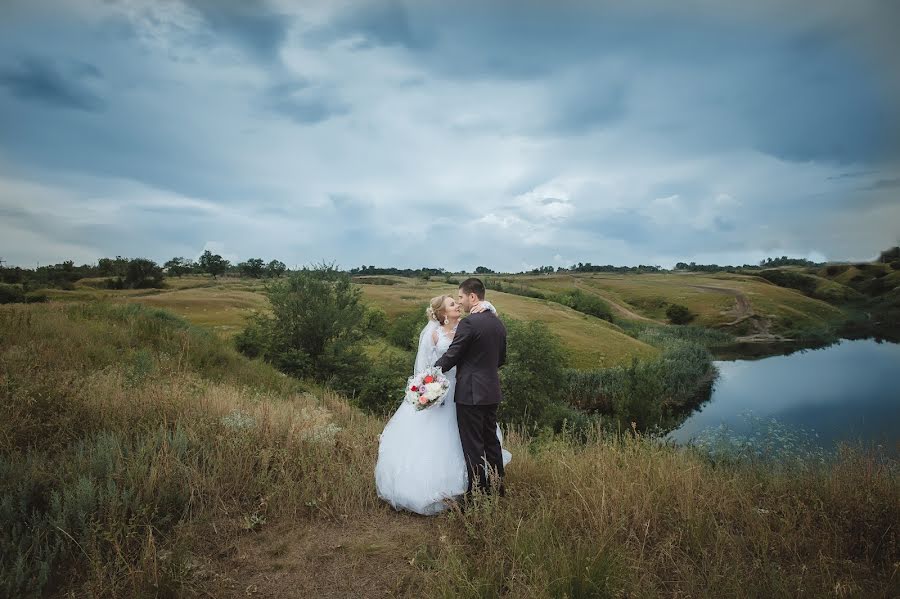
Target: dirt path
(621, 309)
(742, 308)
(372, 557)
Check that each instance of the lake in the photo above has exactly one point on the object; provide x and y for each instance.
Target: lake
(845, 392)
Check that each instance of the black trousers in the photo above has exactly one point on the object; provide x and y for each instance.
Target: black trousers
(481, 447)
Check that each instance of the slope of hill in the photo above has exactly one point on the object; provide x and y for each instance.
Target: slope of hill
(140, 456)
(592, 343)
(739, 304)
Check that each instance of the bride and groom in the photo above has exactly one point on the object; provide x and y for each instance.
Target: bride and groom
(427, 458)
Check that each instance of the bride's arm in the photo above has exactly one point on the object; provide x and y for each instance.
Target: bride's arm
(484, 306)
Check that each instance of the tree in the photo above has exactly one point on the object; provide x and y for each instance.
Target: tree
(483, 270)
(275, 268)
(178, 266)
(253, 267)
(143, 273)
(110, 267)
(213, 264)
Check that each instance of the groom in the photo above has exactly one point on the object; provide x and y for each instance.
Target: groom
(478, 350)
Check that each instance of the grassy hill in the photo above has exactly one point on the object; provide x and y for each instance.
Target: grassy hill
(591, 342)
(142, 457)
(740, 304)
(746, 306)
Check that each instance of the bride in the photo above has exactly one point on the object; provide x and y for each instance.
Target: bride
(420, 457)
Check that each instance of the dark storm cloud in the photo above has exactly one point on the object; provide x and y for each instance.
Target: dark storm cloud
(251, 24)
(408, 133)
(379, 23)
(799, 95)
(43, 80)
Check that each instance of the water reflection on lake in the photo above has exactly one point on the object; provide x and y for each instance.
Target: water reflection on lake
(848, 391)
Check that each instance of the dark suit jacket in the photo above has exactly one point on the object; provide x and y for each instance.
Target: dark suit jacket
(478, 350)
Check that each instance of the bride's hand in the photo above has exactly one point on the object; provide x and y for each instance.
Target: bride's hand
(482, 307)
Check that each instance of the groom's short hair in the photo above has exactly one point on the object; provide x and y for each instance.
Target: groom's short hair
(473, 285)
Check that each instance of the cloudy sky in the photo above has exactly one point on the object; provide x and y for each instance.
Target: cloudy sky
(453, 134)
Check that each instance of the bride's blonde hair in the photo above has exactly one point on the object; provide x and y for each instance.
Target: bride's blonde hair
(436, 310)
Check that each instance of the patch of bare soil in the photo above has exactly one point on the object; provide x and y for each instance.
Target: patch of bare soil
(742, 312)
(373, 557)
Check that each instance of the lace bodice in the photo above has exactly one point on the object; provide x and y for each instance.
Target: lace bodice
(443, 342)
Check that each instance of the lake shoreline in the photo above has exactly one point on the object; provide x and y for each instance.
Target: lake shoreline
(836, 392)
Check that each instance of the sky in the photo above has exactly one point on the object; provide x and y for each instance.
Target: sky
(449, 134)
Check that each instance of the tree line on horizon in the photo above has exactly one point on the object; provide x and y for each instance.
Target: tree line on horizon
(137, 273)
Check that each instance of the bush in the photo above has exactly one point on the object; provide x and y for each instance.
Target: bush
(790, 279)
(678, 314)
(895, 265)
(586, 304)
(143, 273)
(532, 380)
(404, 331)
(375, 322)
(512, 288)
(11, 294)
(382, 390)
(649, 393)
(36, 297)
(316, 324)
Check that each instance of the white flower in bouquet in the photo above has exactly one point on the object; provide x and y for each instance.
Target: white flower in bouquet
(434, 391)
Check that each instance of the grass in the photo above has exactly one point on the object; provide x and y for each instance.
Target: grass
(737, 304)
(126, 431)
(633, 518)
(140, 456)
(718, 299)
(591, 342)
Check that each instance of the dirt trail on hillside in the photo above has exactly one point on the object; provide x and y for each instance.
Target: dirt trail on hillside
(742, 308)
(622, 310)
(743, 311)
(371, 557)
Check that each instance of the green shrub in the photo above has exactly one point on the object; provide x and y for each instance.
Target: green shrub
(678, 314)
(405, 329)
(585, 303)
(374, 281)
(36, 297)
(375, 322)
(383, 388)
(649, 393)
(143, 273)
(895, 265)
(533, 377)
(11, 294)
(315, 326)
(115, 283)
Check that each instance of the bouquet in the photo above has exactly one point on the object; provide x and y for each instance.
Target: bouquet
(426, 388)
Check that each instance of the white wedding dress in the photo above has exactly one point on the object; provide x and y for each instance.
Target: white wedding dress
(420, 457)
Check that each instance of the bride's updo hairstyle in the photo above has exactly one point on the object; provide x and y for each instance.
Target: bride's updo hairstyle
(436, 310)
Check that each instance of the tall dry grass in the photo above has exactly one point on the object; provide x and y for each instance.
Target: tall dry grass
(630, 517)
(132, 443)
(123, 427)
